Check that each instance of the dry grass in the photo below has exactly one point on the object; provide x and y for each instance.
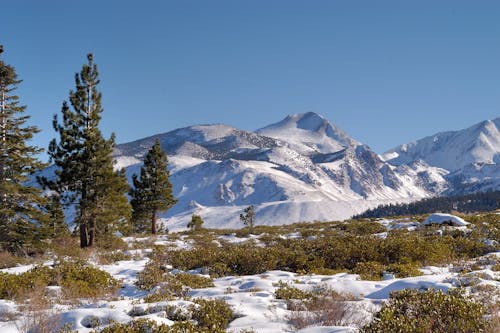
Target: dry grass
(326, 309)
(38, 313)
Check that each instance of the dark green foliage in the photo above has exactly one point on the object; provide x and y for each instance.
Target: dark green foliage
(155, 274)
(209, 316)
(55, 225)
(287, 292)
(81, 280)
(77, 279)
(84, 174)
(194, 281)
(248, 217)
(138, 326)
(413, 311)
(152, 192)
(20, 204)
(474, 202)
(196, 223)
(212, 315)
(401, 253)
(369, 270)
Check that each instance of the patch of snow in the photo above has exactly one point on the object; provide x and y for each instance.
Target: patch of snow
(439, 218)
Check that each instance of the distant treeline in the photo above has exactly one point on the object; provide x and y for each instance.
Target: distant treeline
(475, 202)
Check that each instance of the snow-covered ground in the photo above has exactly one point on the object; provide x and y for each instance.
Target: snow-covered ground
(252, 298)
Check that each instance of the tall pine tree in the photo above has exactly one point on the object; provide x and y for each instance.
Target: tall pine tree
(20, 204)
(84, 174)
(152, 192)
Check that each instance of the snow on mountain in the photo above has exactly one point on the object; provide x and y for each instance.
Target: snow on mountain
(470, 156)
(309, 133)
(300, 169)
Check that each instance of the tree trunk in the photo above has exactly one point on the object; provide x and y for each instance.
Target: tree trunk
(84, 242)
(92, 232)
(153, 223)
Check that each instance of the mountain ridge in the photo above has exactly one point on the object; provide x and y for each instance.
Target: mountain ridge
(302, 168)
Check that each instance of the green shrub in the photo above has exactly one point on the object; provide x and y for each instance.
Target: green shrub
(194, 281)
(404, 270)
(151, 276)
(428, 311)
(109, 257)
(361, 227)
(80, 280)
(137, 326)
(13, 286)
(287, 292)
(212, 315)
(77, 280)
(155, 275)
(370, 270)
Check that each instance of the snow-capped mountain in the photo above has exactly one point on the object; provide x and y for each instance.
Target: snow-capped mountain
(300, 169)
(471, 156)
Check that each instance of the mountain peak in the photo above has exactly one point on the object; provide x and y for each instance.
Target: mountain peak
(453, 150)
(310, 121)
(310, 130)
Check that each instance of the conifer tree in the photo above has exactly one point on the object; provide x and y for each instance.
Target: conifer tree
(84, 174)
(196, 223)
(20, 204)
(152, 192)
(248, 217)
(55, 225)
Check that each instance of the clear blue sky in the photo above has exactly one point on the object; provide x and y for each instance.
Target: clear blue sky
(387, 72)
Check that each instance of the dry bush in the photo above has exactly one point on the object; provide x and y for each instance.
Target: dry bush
(8, 260)
(67, 246)
(38, 315)
(489, 297)
(328, 308)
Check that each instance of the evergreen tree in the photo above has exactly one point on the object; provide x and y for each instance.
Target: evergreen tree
(248, 217)
(84, 174)
(196, 223)
(55, 225)
(152, 192)
(20, 204)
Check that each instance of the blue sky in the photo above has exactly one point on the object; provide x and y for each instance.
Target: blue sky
(387, 72)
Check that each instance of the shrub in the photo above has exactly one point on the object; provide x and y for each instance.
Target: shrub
(151, 276)
(287, 292)
(428, 311)
(326, 308)
(212, 315)
(77, 280)
(8, 259)
(370, 270)
(137, 326)
(194, 281)
(109, 257)
(404, 270)
(155, 275)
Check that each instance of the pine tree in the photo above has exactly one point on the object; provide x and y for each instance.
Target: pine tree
(196, 223)
(152, 192)
(20, 204)
(84, 174)
(248, 217)
(55, 226)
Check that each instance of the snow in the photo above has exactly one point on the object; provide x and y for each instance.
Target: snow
(470, 156)
(251, 297)
(439, 218)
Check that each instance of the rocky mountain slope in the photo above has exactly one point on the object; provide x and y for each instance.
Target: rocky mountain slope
(300, 169)
(471, 156)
